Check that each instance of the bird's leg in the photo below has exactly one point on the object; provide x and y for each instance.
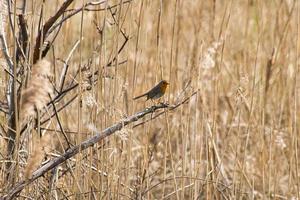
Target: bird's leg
(164, 103)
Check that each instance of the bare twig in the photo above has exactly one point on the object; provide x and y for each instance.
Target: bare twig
(3, 43)
(169, 108)
(23, 39)
(44, 30)
(78, 10)
(66, 66)
(60, 125)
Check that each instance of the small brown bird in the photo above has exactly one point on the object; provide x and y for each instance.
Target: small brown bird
(156, 92)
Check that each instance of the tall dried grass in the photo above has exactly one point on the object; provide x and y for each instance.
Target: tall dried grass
(237, 138)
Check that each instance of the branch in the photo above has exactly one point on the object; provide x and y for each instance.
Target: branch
(44, 30)
(66, 67)
(3, 43)
(84, 7)
(170, 108)
(76, 149)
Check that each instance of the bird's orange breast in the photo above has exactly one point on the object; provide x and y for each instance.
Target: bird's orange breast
(164, 87)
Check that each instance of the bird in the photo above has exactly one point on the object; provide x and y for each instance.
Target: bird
(156, 92)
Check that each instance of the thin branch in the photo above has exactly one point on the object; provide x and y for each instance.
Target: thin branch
(3, 43)
(173, 107)
(60, 125)
(44, 30)
(11, 75)
(22, 41)
(66, 66)
(78, 10)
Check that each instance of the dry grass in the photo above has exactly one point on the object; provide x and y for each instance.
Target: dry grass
(237, 138)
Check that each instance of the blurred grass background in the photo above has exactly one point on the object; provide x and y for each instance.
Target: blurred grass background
(237, 138)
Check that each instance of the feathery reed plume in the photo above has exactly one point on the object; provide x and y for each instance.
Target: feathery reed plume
(37, 94)
(208, 60)
(40, 147)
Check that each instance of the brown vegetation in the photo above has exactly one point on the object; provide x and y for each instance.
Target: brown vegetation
(229, 128)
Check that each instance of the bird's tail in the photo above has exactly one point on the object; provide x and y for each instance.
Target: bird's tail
(135, 98)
